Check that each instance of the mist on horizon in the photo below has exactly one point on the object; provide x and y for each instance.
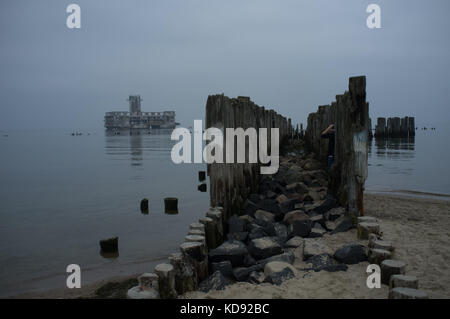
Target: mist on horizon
(290, 56)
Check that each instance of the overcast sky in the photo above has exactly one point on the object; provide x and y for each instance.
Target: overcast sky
(288, 55)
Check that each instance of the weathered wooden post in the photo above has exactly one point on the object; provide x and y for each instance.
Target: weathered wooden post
(210, 232)
(110, 245)
(185, 274)
(166, 281)
(144, 206)
(171, 205)
(195, 254)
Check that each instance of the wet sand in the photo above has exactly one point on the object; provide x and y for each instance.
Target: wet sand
(418, 228)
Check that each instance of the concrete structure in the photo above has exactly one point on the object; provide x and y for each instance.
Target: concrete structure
(136, 119)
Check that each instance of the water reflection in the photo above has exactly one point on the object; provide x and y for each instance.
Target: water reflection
(393, 148)
(131, 144)
(390, 157)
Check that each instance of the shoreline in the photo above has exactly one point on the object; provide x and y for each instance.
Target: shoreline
(418, 228)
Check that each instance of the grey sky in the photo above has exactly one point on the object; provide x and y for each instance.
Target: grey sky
(288, 55)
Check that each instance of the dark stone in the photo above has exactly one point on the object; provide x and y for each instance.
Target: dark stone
(335, 213)
(255, 277)
(224, 267)
(241, 236)
(343, 226)
(242, 273)
(288, 205)
(250, 208)
(267, 227)
(232, 250)
(300, 228)
(325, 262)
(287, 257)
(269, 205)
(271, 195)
(249, 261)
(277, 278)
(255, 198)
(281, 233)
(351, 254)
(257, 233)
(328, 203)
(235, 224)
(265, 247)
(214, 282)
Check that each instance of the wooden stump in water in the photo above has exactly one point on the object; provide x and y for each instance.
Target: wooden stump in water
(171, 205)
(144, 206)
(110, 245)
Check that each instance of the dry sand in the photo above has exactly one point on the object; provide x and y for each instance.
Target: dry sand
(419, 229)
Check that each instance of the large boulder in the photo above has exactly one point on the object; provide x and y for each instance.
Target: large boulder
(294, 242)
(232, 250)
(281, 233)
(264, 215)
(214, 282)
(313, 246)
(236, 224)
(287, 257)
(264, 247)
(242, 273)
(300, 228)
(299, 187)
(325, 262)
(241, 236)
(276, 272)
(295, 215)
(351, 254)
(224, 267)
(250, 208)
(343, 225)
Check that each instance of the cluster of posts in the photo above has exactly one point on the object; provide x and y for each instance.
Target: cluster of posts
(187, 268)
(395, 127)
(350, 115)
(230, 185)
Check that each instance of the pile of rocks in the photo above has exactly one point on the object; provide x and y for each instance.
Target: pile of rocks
(281, 223)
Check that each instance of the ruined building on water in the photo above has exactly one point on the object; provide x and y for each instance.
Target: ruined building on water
(136, 119)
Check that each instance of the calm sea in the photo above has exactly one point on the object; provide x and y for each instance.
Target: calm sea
(61, 194)
(411, 166)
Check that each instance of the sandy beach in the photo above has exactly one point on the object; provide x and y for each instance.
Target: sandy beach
(418, 228)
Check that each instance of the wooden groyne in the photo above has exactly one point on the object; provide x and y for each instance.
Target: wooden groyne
(350, 114)
(230, 184)
(395, 127)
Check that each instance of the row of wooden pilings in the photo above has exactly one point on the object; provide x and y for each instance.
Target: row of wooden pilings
(395, 127)
(350, 114)
(230, 185)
